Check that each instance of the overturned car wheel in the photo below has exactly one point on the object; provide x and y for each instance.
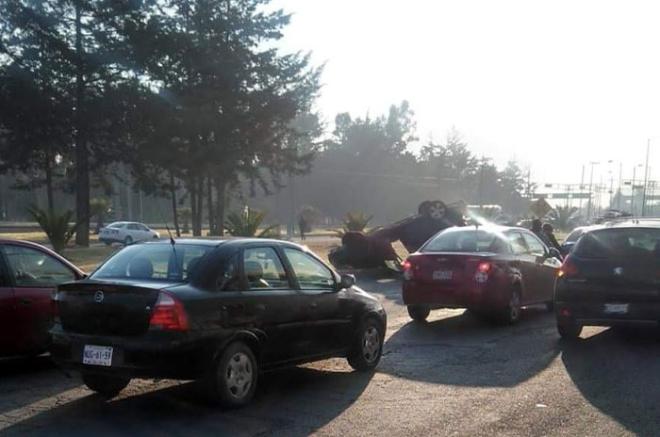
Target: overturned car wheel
(418, 313)
(106, 386)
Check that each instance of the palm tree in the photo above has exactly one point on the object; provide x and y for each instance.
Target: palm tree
(565, 217)
(247, 224)
(355, 221)
(56, 226)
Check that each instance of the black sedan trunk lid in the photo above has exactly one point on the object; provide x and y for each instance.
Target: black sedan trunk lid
(118, 308)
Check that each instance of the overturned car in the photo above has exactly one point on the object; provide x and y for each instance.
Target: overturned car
(374, 248)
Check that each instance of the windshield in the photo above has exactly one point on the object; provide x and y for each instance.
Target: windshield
(627, 243)
(466, 240)
(163, 262)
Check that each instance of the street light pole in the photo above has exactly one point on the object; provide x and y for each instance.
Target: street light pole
(609, 171)
(581, 188)
(591, 184)
(618, 201)
(646, 176)
(632, 190)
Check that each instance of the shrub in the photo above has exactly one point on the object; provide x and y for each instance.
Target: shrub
(355, 221)
(247, 224)
(57, 227)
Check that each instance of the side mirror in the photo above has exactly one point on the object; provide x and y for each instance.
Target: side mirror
(554, 253)
(346, 281)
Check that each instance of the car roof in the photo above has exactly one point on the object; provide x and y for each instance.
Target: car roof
(584, 229)
(22, 243)
(231, 241)
(495, 228)
(125, 222)
(634, 223)
(187, 241)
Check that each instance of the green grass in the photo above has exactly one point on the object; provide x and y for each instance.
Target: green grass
(88, 258)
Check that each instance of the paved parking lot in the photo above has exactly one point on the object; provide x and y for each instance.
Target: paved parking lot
(452, 376)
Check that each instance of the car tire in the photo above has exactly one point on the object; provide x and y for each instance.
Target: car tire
(510, 315)
(419, 313)
(107, 243)
(232, 378)
(367, 346)
(128, 240)
(106, 386)
(569, 330)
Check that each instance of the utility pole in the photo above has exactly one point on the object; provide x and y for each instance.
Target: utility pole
(529, 183)
(581, 188)
(646, 176)
(591, 185)
(618, 201)
(481, 183)
(632, 190)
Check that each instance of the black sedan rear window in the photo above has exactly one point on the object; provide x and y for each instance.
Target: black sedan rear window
(636, 243)
(467, 240)
(153, 262)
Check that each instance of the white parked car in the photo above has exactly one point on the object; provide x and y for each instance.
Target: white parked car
(126, 233)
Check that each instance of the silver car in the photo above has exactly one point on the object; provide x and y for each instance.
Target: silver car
(126, 233)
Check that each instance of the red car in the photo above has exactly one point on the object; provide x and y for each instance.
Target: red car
(493, 271)
(29, 273)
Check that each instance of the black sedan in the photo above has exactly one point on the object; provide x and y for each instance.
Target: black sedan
(217, 311)
(612, 277)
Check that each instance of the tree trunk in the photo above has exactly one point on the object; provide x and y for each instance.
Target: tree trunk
(192, 189)
(220, 189)
(82, 155)
(209, 203)
(49, 182)
(200, 206)
(175, 212)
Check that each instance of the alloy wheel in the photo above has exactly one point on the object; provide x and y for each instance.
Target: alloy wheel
(370, 344)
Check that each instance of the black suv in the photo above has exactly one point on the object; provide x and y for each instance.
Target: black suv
(216, 311)
(612, 277)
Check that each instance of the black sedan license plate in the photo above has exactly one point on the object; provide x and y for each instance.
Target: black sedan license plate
(616, 308)
(97, 355)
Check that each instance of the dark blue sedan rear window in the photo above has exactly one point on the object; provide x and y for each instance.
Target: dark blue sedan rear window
(636, 243)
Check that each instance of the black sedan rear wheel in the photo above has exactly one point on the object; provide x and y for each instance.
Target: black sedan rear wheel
(105, 385)
(367, 346)
(232, 379)
(419, 313)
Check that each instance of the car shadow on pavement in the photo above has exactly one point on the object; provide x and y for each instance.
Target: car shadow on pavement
(292, 402)
(618, 372)
(25, 381)
(463, 350)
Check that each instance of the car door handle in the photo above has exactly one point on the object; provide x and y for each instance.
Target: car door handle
(313, 305)
(25, 301)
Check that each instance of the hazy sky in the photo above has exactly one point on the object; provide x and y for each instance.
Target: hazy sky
(553, 84)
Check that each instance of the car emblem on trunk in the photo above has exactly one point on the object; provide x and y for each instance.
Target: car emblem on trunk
(99, 296)
(618, 271)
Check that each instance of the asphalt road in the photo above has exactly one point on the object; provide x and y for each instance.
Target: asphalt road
(452, 376)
